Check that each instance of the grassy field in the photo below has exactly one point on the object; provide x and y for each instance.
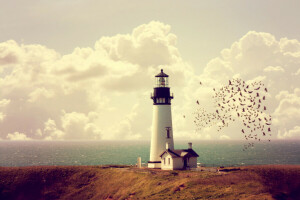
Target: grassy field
(121, 182)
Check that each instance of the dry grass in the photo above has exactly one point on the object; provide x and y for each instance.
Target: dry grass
(117, 182)
(282, 181)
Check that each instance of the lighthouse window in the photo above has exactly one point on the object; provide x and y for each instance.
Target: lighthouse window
(160, 100)
(162, 82)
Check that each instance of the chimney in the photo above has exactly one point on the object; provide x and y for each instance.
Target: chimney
(167, 146)
(190, 145)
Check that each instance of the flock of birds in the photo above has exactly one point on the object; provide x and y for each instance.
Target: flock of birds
(238, 101)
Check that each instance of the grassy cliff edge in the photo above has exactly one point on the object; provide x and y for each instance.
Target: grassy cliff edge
(122, 182)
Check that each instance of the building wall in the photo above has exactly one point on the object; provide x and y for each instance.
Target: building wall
(154, 165)
(178, 163)
(165, 165)
(175, 163)
(192, 162)
(162, 118)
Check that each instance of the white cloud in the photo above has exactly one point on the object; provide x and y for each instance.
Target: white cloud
(287, 114)
(50, 131)
(224, 137)
(74, 126)
(9, 53)
(148, 45)
(289, 46)
(40, 93)
(103, 92)
(290, 134)
(2, 116)
(259, 56)
(17, 136)
(273, 69)
(4, 102)
(79, 126)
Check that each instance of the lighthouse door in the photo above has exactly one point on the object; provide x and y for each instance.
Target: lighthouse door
(184, 163)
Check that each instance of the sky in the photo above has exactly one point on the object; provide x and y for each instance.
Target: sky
(84, 70)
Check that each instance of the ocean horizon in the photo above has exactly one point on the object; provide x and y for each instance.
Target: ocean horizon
(211, 153)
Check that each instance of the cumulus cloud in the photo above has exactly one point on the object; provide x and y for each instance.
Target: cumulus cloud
(4, 102)
(149, 45)
(45, 95)
(103, 92)
(79, 126)
(290, 134)
(224, 137)
(287, 114)
(1, 116)
(17, 136)
(260, 56)
(40, 93)
(51, 132)
(273, 69)
(9, 53)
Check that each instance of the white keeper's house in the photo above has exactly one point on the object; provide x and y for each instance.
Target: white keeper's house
(162, 152)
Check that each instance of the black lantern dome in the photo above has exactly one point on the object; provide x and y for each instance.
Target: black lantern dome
(161, 94)
(161, 79)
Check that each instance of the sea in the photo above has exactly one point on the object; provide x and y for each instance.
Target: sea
(211, 153)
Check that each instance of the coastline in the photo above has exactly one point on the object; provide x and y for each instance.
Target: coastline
(127, 182)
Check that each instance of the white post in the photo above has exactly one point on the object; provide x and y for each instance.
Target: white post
(139, 162)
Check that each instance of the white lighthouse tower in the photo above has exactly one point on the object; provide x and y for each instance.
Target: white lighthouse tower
(162, 132)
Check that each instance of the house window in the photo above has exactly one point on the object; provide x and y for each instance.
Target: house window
(164, 161)
(169, 161)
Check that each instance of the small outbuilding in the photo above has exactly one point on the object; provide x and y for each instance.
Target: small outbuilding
(178, 158)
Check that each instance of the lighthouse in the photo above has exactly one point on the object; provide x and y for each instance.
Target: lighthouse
(162, 131)
(162, 152)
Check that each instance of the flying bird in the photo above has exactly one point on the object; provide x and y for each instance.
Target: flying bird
(240, 98)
